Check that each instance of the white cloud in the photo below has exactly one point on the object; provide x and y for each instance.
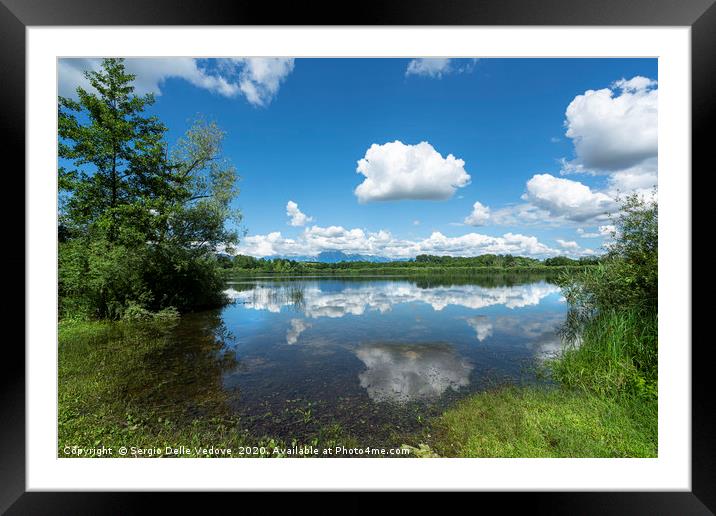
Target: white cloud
(436, 67)
(297, 217)
(348, 240)
(479, 216)
(557, 202)
(263, 245)
(568, 244)
(628, 181)
(586, 234)
(556, 205)
(525, 214)
(554, 201)
(613, 131)
(395, 171)
(635, 84)
(566, 198)
(430, 67)
(316, 239)
(261, 77)
(257, 79)
(473, 244)
(640, 179)
(605, 230)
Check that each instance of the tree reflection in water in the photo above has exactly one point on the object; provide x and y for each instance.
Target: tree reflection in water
(180, 372)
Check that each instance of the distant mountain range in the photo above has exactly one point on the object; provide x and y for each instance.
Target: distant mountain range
(336, 256)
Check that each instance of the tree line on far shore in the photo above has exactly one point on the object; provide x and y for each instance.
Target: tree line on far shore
(423, 261)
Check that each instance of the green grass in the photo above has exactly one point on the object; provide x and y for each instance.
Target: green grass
(604, 405)
(96, 364)
(533, 422)
(618, 355)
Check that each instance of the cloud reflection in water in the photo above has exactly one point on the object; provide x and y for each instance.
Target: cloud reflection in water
(400, 373)
(297, 327)
(482, 326)
(382, 297)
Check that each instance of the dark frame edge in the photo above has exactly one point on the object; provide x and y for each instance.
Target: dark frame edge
(703, 111)
(12, 381)
(702, 498)
(366, 12)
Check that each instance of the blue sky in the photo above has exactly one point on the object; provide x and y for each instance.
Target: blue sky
(543, 145)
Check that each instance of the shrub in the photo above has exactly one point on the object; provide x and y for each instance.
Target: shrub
(613, 324)
(628, 277)
(99, 280)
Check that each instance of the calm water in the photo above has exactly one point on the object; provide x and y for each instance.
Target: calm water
(377, 357)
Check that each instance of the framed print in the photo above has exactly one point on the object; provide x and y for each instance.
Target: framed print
(426, 236)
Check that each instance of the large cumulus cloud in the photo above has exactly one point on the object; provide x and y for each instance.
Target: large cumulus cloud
(395, 171)
(615, 128)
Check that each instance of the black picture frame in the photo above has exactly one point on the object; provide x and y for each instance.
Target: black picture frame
(17, 15)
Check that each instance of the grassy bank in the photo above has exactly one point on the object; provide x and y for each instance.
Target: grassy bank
(618, 356)
(604, 403)
(557, 422)
(100, 396)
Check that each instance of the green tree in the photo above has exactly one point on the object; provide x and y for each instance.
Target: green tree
(628, 275)
(139, 225)
(117, 152)
(560, 261)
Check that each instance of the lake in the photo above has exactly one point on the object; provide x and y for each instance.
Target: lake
(376, 358)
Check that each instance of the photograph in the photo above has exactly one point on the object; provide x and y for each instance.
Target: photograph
(423, 232)
(357, 257)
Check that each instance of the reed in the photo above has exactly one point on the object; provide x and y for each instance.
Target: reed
(615, 354)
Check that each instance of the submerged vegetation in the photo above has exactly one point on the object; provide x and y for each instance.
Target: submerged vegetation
(108, 401)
